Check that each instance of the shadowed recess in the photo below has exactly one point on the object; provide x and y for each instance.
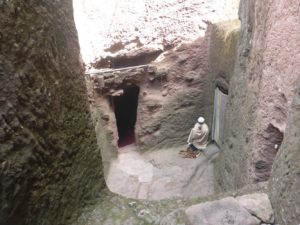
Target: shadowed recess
(125, 107)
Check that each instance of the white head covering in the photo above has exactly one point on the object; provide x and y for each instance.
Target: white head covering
(201, 120)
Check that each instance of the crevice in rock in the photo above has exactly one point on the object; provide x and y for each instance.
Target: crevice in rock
(140, 57)
(272, 140)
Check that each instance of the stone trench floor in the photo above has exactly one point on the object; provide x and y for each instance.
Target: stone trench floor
(162, 188)
(162, 174)
(141, 179)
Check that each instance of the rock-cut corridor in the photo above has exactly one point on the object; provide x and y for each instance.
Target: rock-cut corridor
(98, 98)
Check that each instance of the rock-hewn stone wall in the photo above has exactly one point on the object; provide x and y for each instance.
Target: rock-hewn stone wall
(179, 99)
(174, 91)
(222, 56)
(261, 91)
(222, 51)
(285, 179)
(231, 166)
(277, 82)
(115, 26)
(176, 88)
(49, 160)
(169, 105)
(178, 33)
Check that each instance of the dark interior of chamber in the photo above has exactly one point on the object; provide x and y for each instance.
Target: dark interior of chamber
(125, 107)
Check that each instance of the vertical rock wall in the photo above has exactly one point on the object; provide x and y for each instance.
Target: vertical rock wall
(222, 56)
(285, 179)
(277, 82)
(222, 51)
(261, 91)
(170, 105)
(231, 166)
(49, 160)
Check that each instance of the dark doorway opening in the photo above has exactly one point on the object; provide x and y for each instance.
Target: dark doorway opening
(125, 107)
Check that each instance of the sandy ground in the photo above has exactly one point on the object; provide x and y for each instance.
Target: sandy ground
(161, 174)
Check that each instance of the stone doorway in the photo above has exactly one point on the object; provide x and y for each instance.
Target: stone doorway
(125, 108)
(220, 101)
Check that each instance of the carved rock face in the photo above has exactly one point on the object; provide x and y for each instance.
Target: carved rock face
(47, 143)
(114, 26)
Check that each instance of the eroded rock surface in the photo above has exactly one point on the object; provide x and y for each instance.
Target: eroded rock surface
(50, 163)
(114, 209)
(226, 211)
(113, 26)
(261, 91)
(285, 179)
(246, 209)
(259, 205)
(49, 160)
(260, 97)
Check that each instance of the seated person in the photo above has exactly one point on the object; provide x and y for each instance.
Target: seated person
(199, 135)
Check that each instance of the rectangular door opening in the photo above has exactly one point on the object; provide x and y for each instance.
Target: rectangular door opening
(125, 107)
(220, 101)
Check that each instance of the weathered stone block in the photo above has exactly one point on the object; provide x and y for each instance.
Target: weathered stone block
(226, 211)
(258, 204)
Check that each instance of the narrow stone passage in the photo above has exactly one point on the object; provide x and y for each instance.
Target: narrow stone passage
(162, 174)
(149, 76)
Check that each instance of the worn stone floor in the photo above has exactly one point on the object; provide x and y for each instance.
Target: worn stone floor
(112, 209)
(161, 174)
(177, 183)
(107, 208)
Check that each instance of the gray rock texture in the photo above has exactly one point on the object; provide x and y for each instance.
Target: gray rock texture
(258, 204)
(109, 208)
(49, 160)
(221, 212)
(260, 92)
(285, 179)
